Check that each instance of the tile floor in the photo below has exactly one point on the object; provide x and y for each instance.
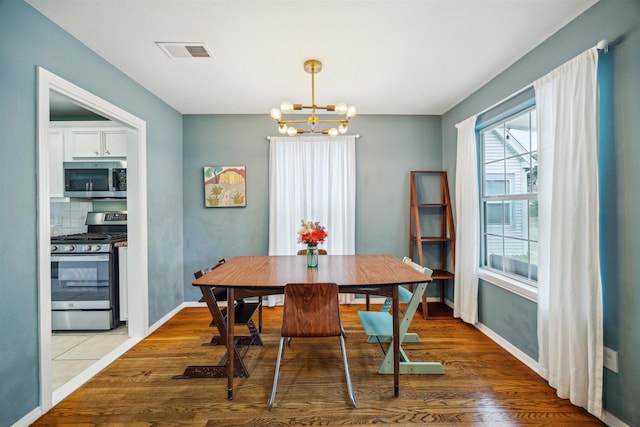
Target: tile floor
(72, 352)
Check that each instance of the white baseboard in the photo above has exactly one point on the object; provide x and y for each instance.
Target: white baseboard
(29, 418)
(606, 418)
(75, 383)
(166, 317)
(612, 421)
(71, 386)
(66, 389)
(195, 304)
(513, 350)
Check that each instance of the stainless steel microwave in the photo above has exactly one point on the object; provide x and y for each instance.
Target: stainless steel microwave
(95, 179)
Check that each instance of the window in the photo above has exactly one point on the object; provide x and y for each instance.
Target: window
(497, 213)
(312, 178)
(509, 194)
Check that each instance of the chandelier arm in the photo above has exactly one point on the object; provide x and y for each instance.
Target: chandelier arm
(323, 131)
(286, 122)
(320, 107)
(341, 121)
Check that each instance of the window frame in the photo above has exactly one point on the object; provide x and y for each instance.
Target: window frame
(520, 285)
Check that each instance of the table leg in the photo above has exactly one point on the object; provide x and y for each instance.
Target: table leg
(396, 340)
(230, 344)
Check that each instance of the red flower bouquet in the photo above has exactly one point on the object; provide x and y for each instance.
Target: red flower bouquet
(311, 233)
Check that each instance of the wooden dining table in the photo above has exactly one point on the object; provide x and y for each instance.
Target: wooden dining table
(246, 276)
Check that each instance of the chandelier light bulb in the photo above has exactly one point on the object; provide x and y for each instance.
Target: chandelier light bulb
(286, 107)
(333, 132)
(351, 111)
(341, 108)
(282, 128)
(342, 128)
(291, 131)
(276, 113)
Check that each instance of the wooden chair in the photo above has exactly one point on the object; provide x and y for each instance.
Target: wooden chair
(244, 310)
(320, 252)
(311, 310)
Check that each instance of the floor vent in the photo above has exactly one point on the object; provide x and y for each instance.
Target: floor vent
(185, 50)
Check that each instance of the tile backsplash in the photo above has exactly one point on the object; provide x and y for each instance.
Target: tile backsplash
(69, 217)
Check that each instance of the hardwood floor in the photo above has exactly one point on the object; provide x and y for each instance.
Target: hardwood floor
(483, 384)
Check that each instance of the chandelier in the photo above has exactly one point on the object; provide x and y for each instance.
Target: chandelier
(316, 125)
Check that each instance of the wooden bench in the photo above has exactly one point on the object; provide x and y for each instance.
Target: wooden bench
(378, 325)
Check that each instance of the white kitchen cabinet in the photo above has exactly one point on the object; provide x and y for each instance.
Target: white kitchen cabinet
(114, 143)
(56, 157)
(93, 140)
(85, 143)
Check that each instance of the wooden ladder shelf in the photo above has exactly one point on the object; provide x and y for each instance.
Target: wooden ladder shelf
(431, 226)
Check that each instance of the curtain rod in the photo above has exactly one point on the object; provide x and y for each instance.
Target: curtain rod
(602, 45)
(357, 136)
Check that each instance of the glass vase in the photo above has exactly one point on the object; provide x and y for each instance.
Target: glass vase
(312, 256)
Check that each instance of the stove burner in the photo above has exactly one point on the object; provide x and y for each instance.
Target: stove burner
(108, 237)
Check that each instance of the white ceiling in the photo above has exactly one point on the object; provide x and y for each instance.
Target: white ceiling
(384, 56)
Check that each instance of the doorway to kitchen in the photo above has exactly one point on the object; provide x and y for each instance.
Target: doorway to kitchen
(137, 273)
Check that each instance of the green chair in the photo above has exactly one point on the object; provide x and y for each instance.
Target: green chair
(379, 326)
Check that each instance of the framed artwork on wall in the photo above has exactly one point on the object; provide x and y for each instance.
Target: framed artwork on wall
(225, 186)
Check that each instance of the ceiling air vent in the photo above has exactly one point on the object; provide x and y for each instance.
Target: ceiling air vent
(185, 50)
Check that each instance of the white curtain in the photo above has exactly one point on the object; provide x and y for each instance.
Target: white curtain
(570, 329)
(465, 303)
(312, 178)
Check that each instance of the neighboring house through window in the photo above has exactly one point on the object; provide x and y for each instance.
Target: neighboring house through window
(509, 192)
(497, 213)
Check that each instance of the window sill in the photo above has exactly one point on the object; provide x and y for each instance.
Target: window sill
(525, 291)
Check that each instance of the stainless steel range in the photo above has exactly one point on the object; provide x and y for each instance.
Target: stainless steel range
(84, 274)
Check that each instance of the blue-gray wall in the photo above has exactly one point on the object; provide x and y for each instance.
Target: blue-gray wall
(389, 147)
(28, 40)
(619, 22)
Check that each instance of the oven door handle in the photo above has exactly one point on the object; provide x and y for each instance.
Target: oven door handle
(79, 258)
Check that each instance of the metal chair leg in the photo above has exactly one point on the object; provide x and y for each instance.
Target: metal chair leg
(352, 395)
(276, 375)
